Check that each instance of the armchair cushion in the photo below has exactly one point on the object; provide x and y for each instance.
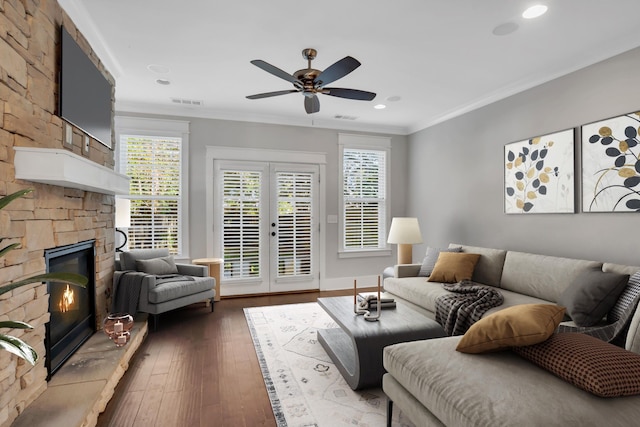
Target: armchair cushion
(128, 259)
(157, 266)
(173, 290)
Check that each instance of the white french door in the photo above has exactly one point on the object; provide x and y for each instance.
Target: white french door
(266, 224)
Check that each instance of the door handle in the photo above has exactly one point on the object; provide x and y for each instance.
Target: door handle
(273, 233)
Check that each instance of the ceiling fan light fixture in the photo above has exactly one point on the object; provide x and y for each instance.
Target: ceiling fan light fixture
(535, 11)
(310, 81)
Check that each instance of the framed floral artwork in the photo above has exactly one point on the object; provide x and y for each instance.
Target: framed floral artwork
(539, 174)
(610, 165)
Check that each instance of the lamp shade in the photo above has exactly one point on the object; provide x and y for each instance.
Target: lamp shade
(404, 231)
(123, 213)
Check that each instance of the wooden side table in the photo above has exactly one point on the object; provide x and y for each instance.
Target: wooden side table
(214, 271)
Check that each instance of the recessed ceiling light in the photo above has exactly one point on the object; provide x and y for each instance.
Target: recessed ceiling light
(394, 98)
(534, 11)
(380, 107)
(157, 68)
(504, 29)
(163, 82)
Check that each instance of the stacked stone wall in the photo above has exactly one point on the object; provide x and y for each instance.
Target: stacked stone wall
(50, 216)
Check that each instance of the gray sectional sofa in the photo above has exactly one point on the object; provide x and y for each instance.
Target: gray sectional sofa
(435, 385)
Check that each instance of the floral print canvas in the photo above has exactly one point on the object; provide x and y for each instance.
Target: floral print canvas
(539, 174)
(611, 165)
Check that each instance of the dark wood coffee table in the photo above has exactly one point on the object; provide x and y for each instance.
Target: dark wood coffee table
(356, 346)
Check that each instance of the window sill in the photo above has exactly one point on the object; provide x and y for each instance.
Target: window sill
(364, 254)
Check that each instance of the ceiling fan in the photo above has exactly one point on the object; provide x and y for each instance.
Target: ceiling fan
(310, 81)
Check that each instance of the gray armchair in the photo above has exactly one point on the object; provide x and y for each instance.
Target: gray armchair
(149, 281)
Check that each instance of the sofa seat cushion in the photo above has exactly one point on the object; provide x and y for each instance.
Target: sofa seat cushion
(497, 389)
(172, 290)
(423, 293)
(416, 290)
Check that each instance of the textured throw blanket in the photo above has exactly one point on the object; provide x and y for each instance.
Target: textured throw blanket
(615, 333)
(457, 311)
(126, 293)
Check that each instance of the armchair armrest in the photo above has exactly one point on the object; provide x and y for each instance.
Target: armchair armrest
(193, 270)
(407, 270)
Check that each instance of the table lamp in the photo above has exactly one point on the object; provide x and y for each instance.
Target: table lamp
(405, 232)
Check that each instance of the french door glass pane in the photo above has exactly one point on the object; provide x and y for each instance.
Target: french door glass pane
(295, 233)
(241, 223)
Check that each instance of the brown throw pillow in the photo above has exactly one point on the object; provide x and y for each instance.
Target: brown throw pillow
(587, 362)
(453, 267)
(523, 324)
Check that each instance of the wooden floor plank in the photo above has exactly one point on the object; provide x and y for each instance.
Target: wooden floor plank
(198, 369)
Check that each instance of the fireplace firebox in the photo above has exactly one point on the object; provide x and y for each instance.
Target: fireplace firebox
(72, 308)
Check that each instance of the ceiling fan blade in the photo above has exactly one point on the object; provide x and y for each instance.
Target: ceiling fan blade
(275, 71)
(311, 104)
(360, 95)
(336, 71)
(268, 94)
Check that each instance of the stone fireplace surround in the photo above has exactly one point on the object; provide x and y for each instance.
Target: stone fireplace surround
(55, 213)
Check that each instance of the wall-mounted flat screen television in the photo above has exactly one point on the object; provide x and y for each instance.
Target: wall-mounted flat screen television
(85, 94)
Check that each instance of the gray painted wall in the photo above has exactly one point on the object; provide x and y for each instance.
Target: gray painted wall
(456, 170)
(210, 132)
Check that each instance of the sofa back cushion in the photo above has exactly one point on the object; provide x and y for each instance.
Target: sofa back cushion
(488, 270)
(542, 276)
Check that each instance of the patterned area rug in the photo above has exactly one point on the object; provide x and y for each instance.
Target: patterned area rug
(305, 387)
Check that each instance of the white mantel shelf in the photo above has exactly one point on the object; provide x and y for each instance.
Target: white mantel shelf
(66, 169)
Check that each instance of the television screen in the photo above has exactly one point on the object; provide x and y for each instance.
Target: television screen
(85, 94)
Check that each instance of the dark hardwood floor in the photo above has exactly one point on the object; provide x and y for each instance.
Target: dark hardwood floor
(198, 369)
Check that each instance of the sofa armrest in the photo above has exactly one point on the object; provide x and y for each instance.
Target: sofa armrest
(193, 270)
(407, 270)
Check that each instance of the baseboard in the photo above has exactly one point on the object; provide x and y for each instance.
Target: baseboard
(340, 283)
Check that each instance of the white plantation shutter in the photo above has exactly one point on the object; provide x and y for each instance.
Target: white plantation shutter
(295, 234)
(241, 223)
(364, 199)
(153, 165)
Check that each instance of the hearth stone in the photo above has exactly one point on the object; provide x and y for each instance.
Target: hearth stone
(83, 386)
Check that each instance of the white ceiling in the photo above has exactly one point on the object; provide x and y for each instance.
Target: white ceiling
(439, 57)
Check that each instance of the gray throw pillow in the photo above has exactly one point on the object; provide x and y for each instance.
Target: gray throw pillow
(157, 266)
(592, 294)
(431, 257)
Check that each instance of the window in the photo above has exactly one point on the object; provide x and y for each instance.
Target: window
(153, 160)
(364, 193)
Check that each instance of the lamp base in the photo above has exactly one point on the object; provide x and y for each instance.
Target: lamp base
(405, 253)
(126, 239)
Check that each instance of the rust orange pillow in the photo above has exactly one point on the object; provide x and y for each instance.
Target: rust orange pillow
(523, 324)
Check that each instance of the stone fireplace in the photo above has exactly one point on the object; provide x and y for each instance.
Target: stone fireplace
(72, 310)
(66, 208)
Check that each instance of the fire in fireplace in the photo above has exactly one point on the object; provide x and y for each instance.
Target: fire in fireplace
(71, 308)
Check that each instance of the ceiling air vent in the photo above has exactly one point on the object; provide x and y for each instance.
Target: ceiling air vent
(193, 102)
(344, 117)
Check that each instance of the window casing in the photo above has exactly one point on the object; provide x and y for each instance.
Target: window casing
(154, 161)
(364, 202)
